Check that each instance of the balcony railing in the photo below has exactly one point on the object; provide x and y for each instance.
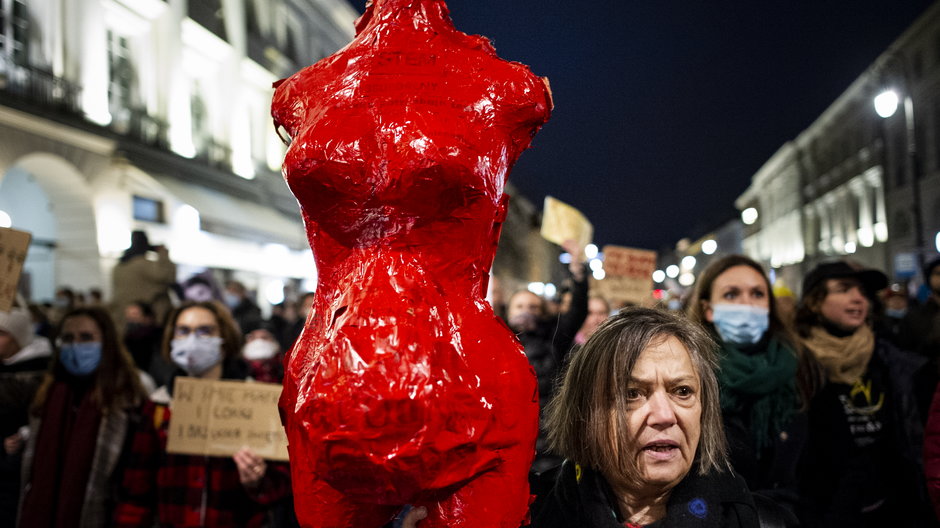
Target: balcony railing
(38, 86)
(140, 125)
(214, 154)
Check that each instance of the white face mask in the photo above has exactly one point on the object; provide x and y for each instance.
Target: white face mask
(260, 349)
(196, 354)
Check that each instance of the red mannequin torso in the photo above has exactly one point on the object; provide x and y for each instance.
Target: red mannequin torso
(403, 386)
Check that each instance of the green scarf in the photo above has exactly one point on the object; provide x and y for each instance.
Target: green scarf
(766, 380)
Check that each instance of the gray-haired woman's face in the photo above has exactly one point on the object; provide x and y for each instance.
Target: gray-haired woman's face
(664, 414)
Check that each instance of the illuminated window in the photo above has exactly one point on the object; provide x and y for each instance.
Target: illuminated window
(251, 18)
(121, 75)
(209, 14)
(14, 32)
(200, 122)
(148, 210)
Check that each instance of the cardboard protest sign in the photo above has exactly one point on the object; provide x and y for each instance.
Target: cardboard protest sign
(629, 275)
(217, 418)
(13, 247)
(561, 222)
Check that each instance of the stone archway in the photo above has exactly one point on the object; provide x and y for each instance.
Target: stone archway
(76, 257)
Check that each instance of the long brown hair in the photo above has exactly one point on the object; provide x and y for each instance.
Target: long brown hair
(703, 292)
(807, 311)
(116, 382)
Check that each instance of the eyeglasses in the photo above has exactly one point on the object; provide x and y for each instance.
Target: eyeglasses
(199, 331)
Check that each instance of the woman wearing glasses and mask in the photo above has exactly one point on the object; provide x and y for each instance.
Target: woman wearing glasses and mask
(765, 382)
(202, 341)
(87, 405)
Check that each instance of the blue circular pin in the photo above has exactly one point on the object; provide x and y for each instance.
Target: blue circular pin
(698, 508)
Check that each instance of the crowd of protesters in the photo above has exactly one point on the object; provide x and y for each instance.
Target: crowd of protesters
(825, 398)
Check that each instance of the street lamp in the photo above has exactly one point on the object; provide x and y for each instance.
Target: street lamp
(749, 215)
(709, 246)
(886, 104)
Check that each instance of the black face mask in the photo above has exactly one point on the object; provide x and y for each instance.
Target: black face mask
(136, 329)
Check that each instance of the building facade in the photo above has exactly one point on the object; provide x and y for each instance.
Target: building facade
(119, 115)
(855, 185)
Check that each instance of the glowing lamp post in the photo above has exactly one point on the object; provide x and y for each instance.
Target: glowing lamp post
(886, 105)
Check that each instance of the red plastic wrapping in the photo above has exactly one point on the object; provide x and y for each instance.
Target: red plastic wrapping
(404, 388)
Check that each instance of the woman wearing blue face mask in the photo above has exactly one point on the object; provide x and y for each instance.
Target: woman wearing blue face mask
(764, 380)
(88, 404)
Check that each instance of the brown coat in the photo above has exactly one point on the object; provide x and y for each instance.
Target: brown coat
(143, 280)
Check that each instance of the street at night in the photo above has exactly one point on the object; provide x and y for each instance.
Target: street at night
(431, 264)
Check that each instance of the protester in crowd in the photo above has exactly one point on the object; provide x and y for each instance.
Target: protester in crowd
(42, 326)
(303, 311)
(862, 463)
(95, 297)
(889, 319)
(932, 452)
(265, 359)
(245, 311)
(284, 317)
(63, 302)
(547, 340)
(496, 296)
(785, 301)
(199, 288)
(598, 312)
(638, 421)
(143, 337)
(920, 330)
(262, 352)
(166, 489)
(24, 359)
(764, 380)
(87, 404)
(138, 278)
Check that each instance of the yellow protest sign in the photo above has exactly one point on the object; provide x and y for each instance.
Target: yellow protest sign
(13, 247)
(217, 418)
(561, 222)
(628, 275)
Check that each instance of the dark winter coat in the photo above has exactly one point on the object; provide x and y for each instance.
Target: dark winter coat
(563, 500)
(834, 473)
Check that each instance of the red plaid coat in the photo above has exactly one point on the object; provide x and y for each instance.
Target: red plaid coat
(183, 491)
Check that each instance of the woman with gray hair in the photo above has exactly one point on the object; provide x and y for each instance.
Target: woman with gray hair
(638, 420)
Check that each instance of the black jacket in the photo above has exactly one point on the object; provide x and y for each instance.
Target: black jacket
(547, 349)
(920, 330)
(834, 473)
(548, 345)
(714, 500)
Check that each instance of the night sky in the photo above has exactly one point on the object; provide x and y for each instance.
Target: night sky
(665, 109)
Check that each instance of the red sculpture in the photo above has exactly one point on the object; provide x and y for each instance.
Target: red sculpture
(404, 388)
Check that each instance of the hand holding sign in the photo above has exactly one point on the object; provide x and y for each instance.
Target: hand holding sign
(218, 418)
(251, 467)
(562, 223)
